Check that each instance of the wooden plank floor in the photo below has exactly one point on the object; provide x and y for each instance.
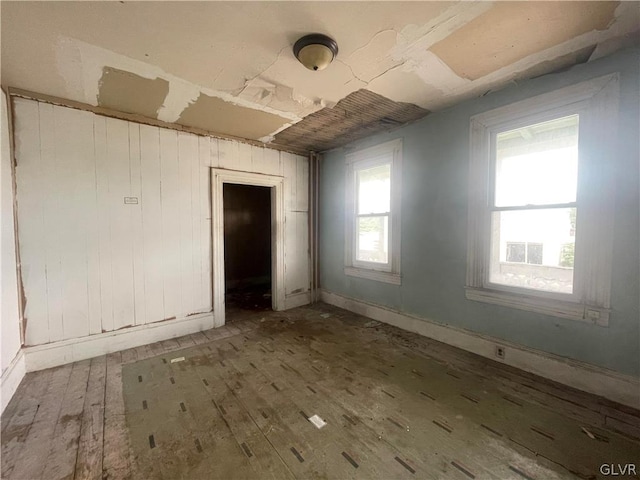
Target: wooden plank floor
(397, 405)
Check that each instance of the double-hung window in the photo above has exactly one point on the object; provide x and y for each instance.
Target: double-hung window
(533, 204)
(540, 202)
(373, 213)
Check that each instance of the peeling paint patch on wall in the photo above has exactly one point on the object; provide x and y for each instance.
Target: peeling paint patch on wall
(216, 115)
(478, 49)
(130, 93)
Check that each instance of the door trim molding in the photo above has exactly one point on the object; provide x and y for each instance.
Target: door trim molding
(218, 178)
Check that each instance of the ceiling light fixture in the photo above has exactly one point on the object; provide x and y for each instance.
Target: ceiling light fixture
(315, 51)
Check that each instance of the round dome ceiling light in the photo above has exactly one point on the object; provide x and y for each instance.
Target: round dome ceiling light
(315, 51)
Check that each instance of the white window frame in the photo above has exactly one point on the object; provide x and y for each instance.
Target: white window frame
(597, 102)
(367, 158)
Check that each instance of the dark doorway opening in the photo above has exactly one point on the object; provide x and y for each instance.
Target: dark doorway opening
(247, 249)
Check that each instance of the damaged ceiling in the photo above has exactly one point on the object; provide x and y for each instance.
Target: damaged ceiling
(356, 116)
(228, 67)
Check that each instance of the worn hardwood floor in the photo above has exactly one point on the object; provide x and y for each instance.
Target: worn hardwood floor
(397, 405)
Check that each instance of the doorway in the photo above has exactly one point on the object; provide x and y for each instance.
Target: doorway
(275, 203)
(247, 249)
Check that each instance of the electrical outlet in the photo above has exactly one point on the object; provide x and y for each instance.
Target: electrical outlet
(131, 200)
(500, 352)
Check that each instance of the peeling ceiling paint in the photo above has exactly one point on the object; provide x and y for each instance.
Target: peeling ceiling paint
(560, 63)
(237, 57)
(130, 93)
(479, 48)
(216, 115)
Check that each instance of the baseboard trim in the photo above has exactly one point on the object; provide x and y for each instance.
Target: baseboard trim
(59, 353)
(11, 378)
(615, 386)
(297, 300)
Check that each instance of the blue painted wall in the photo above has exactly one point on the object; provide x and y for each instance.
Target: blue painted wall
(434, 228)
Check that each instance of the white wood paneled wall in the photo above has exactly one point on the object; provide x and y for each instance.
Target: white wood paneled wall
(93, 264)
(296, 251)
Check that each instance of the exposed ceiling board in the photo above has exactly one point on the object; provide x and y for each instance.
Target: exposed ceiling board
(240, 53)
(511, 31)
(130, 93)
(216, 115)
(360, 114)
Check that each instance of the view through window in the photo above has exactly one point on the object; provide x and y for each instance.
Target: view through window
(373, 208)
(533, 213)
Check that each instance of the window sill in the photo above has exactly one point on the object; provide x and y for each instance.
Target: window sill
(377, 275)
(554, 308)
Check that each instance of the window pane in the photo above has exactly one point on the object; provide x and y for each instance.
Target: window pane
(533, 249)
(567, 253)
(515, 252)
(372, 239)
(537, 164)
(534, 253)
(374, 189)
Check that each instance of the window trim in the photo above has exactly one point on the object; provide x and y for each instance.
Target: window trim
(596, 101)
(365, 158)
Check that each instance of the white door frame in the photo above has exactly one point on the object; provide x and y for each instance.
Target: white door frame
(218, 178)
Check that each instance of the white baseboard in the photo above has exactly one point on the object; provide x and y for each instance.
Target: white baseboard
(53, 354)
(11, 378)
(297, 300)
(615, 386)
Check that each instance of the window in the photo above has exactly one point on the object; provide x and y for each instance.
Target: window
(524, 252)
(540, 208)
(373, 213)
(534, 184)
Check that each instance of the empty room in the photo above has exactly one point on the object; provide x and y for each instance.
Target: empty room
(320, 240)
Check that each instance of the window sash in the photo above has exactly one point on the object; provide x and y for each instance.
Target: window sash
(367, 165)
(384, 266)
(574, 296)
(523, 123)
